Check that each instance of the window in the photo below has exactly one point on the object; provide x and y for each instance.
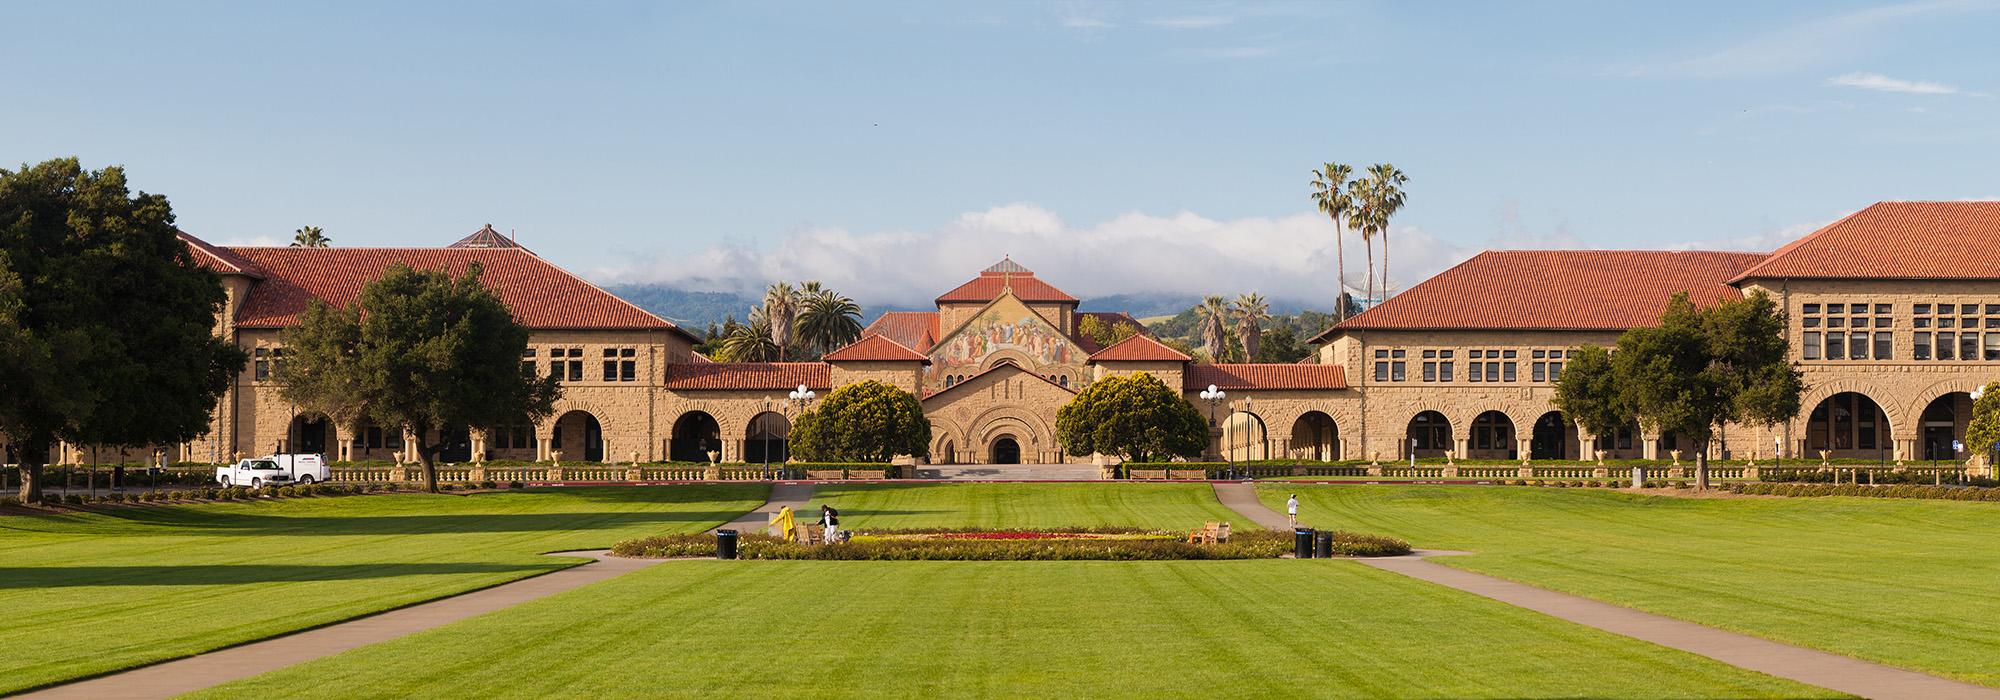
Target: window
(1836, 322)
(1539, 354)
(1538, 372)
(392, 439)
(1493, 370)
(1812, 346)
(1923, 309)
(1507, 369)
(1922, 351)
(528, 362)
(1475, 371)
(1857, 346)
(263, 356)
(620, 367)
(1836, 308)
(1992, 347)
(1444, 353)
(374, 437)
(570, 369)
(1884, 321)
(1836, 346)
(1396, 353)
(1396, 372)
(1477, 354)
(1946, 343)
(1947, 322)
(1885, 346)
(1428, 354)
(1810, 321)
(1381, 371)
(1444, 369)
(1968, 346)
(1810, 309)
(1430, 371)
(1992, 322)
(1382, 353)
(1921, 323)
(1508, 354)
(1555, 371)
(1881, 309)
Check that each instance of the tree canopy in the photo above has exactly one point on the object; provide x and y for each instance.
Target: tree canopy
(1134, 416)
(1587, 392)
(867, 421)
(107, 325)
(420, 350)
(1984, 430)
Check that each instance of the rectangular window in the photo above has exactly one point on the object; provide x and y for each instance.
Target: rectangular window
(1968, 346)
(1444, 353)
(1477, 354)
(1922, 351)
(1947, 343)
(628, 368)
(1885, 346)
(1555, 371)
(1538, 372)
(1382, 354)
(1397, 353)
(1812, 346)
(263, 363)
(1881, 308)
(1508, 354)
(1921, 323)
(1539, 354)
(1836, 346)
(1444, 371)
(374, 438)
(1428, 354)
(392, 438)
(1430, 371)
(1508, 371)
(1922, 309)
(1992, 309)
(1992, 322)
(1947, 322)
(576, 364)
(1884, 321)
(528, 362)
(1836, 322)
(1810, 321)
(1381, 371)
(1992, 347)
(1810, 309)
(1493, 371)
(1396, 372)
(1836, 308)
(1857, 346)
(1475, 371)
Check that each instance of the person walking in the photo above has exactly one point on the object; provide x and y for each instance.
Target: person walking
(1292, 510)
(831, 519)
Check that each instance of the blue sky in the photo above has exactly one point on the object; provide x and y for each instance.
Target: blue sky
(893, 149)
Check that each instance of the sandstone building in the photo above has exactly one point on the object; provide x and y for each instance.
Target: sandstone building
(1894, 317)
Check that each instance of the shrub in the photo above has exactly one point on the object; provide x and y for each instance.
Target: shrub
(1257, 544)
(1921, 491)
(515, 485)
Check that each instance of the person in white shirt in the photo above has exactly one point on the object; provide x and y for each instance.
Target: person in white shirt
(1292, 510)
(831, 519)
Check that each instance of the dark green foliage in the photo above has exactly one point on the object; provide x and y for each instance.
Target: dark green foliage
(1587, 392)
(1135, 416)
(1105, 334)
(1251, 544)
(1984, 430)
(107, 325)
(1806, 490)
(866, 421)
(419, 350)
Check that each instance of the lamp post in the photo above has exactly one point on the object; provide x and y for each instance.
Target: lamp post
(1213, 396)
(800, 397)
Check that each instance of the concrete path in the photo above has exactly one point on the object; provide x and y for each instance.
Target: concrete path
(1832, 671)
(783, 493)
(171, 678)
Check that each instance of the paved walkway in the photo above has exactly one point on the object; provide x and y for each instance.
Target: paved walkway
(171, 678)
(783, 493)
(1832, 671)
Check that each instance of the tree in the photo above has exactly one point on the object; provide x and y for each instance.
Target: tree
(867, 421)
(107, 324)
(1587, 393)
(781, 308)
(1281, 345)
(1103, 333)
(1214, 314)
(1250, 311)
(310, 237)
(420, 351)
(1378, 197)
(1984, 431)
(1331, 194)
(1135, 416)
(1703, 368)
(748, 342)
(828, 320)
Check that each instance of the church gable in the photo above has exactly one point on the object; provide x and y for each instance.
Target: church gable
(1004, 330)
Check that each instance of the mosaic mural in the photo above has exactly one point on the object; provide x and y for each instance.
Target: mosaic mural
(1007, 325)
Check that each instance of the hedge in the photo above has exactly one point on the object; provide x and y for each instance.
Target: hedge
(244, 493)
(1805, 490)
(1254, 544)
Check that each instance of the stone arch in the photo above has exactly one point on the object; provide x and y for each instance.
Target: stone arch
(1848, 424)
(767, 438)
(1035, 435)
(946, 435)
(1315, 436)
(579, 434)
(1423, 434)
(1552, 436)
(1246, 436)
(1897, 411)
(1493, 435)
(1913, 411)
(1010, 356)
(695, 434)
(310, 432)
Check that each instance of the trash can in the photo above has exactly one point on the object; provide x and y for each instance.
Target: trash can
(1323, 545)
(725, 544)
(1302, 543)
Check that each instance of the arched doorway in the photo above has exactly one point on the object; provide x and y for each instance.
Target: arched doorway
(1943, 422)
(310, 434)
(1429, 435)
(944, 455)
(1244, 438)
(1553, 438)
(766, 440)
(1849, 425)
(578, 434)
(1492, 437)
(456, 445)
(1006, 451)
(695, 435)
(1315, 436)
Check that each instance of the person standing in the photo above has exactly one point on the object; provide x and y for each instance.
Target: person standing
(1292, 510)
(831, 519)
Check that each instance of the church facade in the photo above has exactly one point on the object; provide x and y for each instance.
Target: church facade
(1894, 317)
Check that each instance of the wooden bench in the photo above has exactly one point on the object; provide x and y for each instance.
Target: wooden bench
(1188, 474)
(1146, 474)
(867, 473)
(1210, 533)
(825, 474)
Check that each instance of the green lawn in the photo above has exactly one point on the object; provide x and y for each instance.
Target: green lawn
(1904, 582)
(999, 505)
(1272, 628)
(90, 593)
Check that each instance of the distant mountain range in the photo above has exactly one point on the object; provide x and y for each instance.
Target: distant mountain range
(695, 310)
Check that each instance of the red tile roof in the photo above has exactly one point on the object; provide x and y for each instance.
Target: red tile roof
(1263, 376)
(541, 295)
(219, 260)
(1895, 240)
(876, 348)
(916, 330)
(1003, 276)
(1139, 348)
(1555, 290)
(749, 376)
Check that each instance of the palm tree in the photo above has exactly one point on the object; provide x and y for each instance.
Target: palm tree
(827, 319)
(1330, 192)
(748, 342)
(1385, 192)
(1251, 310)
(310, 237)
(1214, 315)
(781, 309)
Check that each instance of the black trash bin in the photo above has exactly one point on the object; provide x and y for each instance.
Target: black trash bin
(1302, 543)
(725, 544)
(1323, 544)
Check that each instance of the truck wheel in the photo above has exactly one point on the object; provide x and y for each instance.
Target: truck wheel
(225, 481)
(307, 480)
(256, 483)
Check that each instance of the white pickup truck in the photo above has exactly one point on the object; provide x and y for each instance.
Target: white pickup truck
(274, 470)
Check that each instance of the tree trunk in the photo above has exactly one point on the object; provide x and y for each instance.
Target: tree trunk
(1701, 467)
(34, 455)
(1370, 292)
(427, 454)
(1385, 262)
(1340, 265)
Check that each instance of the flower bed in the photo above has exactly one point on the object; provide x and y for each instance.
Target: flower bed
(1073, 544)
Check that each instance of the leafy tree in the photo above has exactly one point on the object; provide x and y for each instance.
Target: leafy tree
(1984, 431)
(1331, 194)
(1281, 345)
(867, 421)
(827, 320)
(1134, 416)
(107, 325)
(310, 237)
(1250, 311)
(1103, 333)
(420, 351)
(1588, 394)
(1702, 368)
(749, 342)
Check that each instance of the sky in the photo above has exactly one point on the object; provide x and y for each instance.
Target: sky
(892, 150)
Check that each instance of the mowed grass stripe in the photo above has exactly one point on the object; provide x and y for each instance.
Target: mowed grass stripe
(1014, 629)
(1024, 505)
(91, 593)
(1899, 582)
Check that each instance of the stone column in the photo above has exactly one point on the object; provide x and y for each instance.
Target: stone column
(1460, 445)
(1651, 448)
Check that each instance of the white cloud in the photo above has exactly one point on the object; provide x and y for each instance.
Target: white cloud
(1190, 22)
(1878, 81)
(1286, 257)
(254, 242)
(1804, 45)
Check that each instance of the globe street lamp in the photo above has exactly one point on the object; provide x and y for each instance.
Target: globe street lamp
(802, 398)
(1213, 396)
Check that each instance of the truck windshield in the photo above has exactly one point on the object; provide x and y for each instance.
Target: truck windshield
(264, 465)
